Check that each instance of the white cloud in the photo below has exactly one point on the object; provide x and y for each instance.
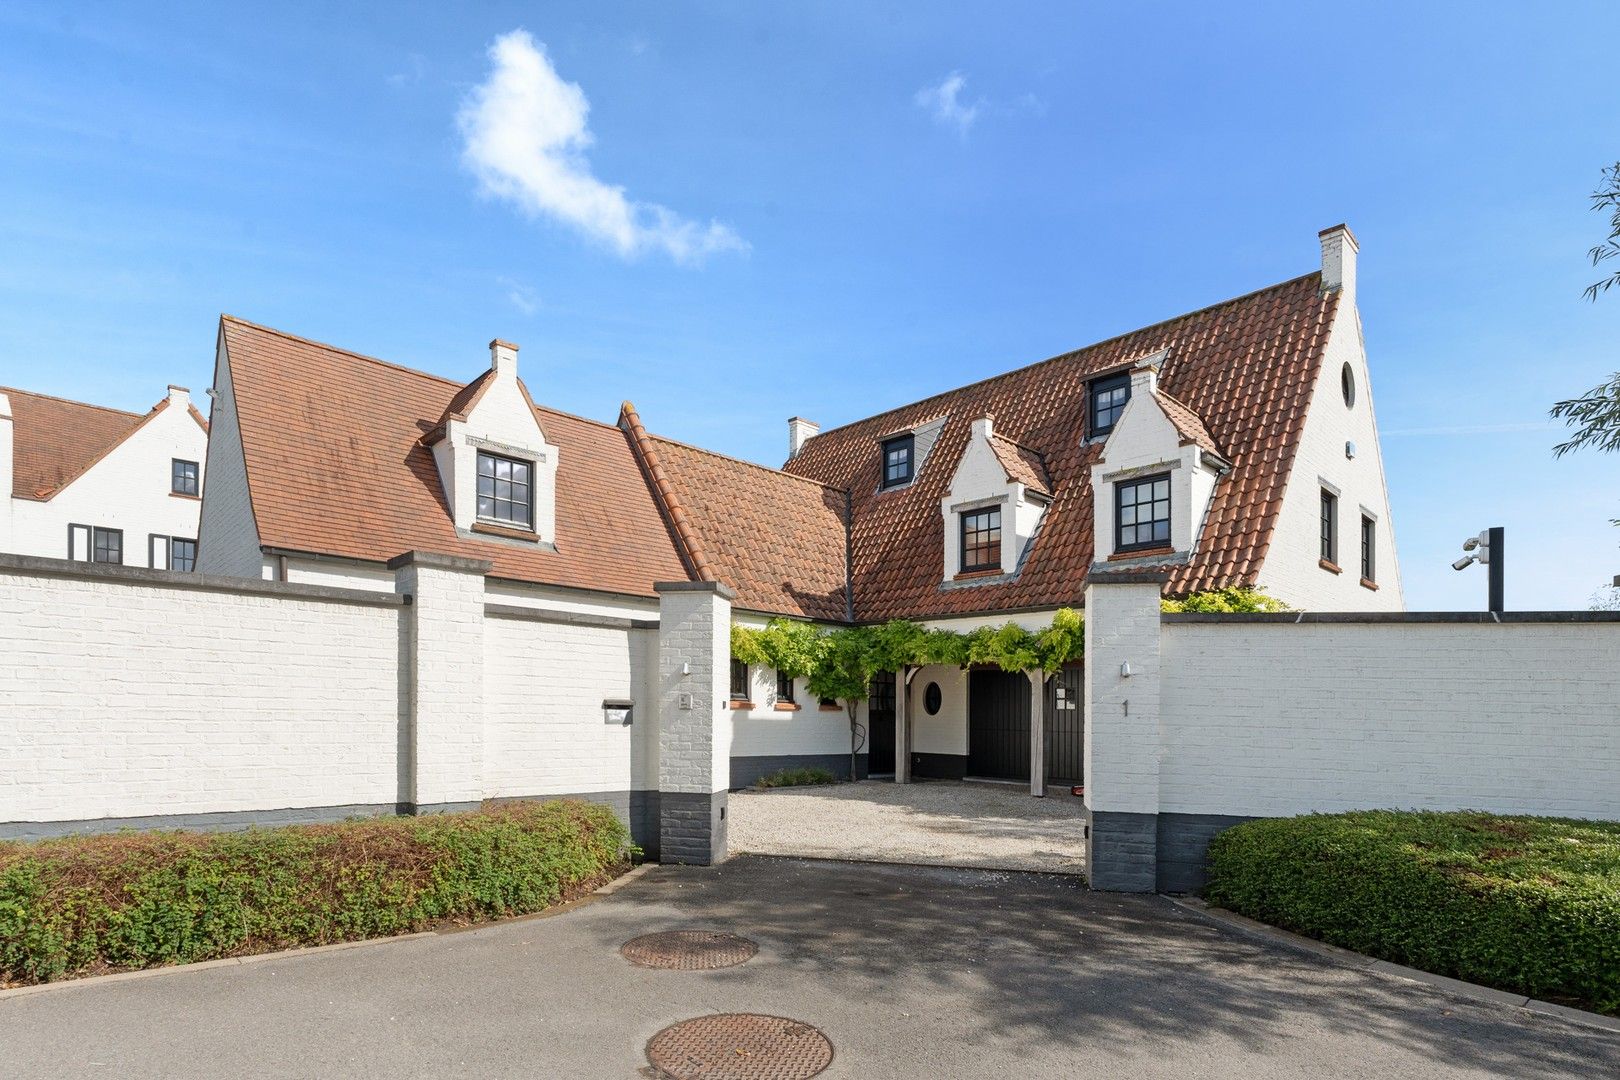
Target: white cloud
(945, 103)
(522, 296)
(525, 136)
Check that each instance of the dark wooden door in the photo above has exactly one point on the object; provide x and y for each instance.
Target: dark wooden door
(1065, 727)
(880, 726)
(998, 725)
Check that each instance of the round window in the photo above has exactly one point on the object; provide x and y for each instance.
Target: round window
(1347, 384)
(932, 698)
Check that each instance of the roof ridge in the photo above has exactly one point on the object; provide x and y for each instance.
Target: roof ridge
(744, 461)
(1020, 445)
(1075, 352)
(226, 317)
(663, 492)
(73, 401)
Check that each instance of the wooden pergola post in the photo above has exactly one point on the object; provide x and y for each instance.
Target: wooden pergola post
(1037, 732)
(902, 725)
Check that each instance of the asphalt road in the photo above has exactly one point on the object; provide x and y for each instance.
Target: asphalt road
(911, 972)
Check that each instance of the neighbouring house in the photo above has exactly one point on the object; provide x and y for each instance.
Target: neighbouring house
(1233, 446)
(93, 484)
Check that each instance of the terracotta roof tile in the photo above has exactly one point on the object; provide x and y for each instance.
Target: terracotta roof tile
(1023, 465)
(336, 465)
(54, 440)
(1186, 422)
(1246, 367)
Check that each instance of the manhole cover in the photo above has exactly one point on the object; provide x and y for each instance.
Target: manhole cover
(688, 950)
(739, 1046)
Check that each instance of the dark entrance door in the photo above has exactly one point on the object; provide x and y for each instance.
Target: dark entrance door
(880, 726)
(998, 725)
(1065, 727)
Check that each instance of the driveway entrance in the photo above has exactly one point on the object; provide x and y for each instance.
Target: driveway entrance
(936, 823)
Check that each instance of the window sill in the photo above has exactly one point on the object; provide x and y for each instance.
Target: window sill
(1142, 553)
(1331, 567)
(738, 703)
(1368, 583)
(507, 531)
(834, 707)
(786, 706)
(183, 495)
(970, 575)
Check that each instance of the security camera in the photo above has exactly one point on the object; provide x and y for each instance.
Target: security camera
(1463, 563)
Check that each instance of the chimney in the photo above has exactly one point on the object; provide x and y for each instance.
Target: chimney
(800, 431)
(503, 357)
(1339, 249)
(5, 464)
(179, 396)
(1145, 372)
(984, 426)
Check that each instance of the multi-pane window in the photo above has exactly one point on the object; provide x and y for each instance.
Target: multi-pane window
(897, 460)
(1369, 562)
(1142, 513)
(739, 680)
(182, 554)
(107, 545)
(183, 477)
(1330, 527)
(1108, 398)
(981, 539)
(784, 687)
(505, 490)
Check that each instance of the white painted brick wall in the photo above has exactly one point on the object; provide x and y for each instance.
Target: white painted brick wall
(694, 743)
(121, 700)
(1274, 720)
(544, 728)
(447, 654)
(1122, 714)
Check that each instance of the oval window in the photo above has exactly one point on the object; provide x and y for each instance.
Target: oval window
(932, 698)
(1347, 385)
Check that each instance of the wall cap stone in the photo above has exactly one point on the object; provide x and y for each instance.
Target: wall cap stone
(1416, 618)
(719, 588)
(38, 566)
(435, 561)
(567, 618)
(1101, 576)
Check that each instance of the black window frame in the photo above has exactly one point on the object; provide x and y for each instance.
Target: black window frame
(1094, 391)
(527, 522)
(784, 688)
(1120, 525)
(1369, 548)
(908, 442)
(185, 477)
(991, 546)
(1330, 527)
(97, 548)
(175, 557)
(740, 685)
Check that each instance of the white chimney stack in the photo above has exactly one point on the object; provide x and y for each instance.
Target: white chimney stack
(800, 431)
(984, 427)
(503, 357)
(1339, 249)
(179, 396)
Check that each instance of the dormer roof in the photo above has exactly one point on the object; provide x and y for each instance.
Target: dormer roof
(1186, 422)
(1023, 464)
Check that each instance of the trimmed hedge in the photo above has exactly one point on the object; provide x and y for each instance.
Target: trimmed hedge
(88, 904)
(1525, 904)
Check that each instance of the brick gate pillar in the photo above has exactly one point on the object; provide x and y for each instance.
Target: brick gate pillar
(694, 725)
(1122, 730)
(442, 751)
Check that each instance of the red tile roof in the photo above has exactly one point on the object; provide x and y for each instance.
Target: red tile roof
(336, 464)
(1186, 422)
(55, 441)
(1246, 367)
(1023, 465)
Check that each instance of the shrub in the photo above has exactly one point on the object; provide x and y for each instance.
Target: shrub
(1525, 904)
(129, 900)
(796, 778)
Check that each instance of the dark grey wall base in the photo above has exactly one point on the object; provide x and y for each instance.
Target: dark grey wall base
(1183, 858)
(939, 766)
(421, 809)
(1121, 851)
(746, 770)
(692, 827)
(224, 820)
(637, 809)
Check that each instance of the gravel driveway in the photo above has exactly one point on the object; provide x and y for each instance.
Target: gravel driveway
(937, 823)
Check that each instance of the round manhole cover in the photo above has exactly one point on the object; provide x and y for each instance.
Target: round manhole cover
(688, 950)
(739, 1046)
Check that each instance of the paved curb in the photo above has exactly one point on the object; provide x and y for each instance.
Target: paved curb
(315, 950)
(849, 857)
(1347, 958)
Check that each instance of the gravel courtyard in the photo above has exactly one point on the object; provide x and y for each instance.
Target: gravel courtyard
(933, 823)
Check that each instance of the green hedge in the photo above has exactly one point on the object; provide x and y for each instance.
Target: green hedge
(128, 900)
(1525, 904)
(797, 778)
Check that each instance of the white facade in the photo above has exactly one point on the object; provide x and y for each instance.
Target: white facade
(981, 482)
(127, 490)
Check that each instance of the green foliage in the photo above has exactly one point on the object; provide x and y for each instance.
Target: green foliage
(1525, 904)
(796, 778)
(1226, 601)
(132, 900)
(748, 645)
(848, 658)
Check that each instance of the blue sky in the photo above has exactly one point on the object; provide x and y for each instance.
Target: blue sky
(796, 209)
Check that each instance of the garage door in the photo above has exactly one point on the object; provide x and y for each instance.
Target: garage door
(998, 725)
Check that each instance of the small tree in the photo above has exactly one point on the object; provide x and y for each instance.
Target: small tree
(1595, 415)
(847, 664)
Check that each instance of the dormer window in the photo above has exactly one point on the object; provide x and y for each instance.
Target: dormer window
(897, 460)
(981, 539)
(1142, 513)
(505, 490)
(1108, 396)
